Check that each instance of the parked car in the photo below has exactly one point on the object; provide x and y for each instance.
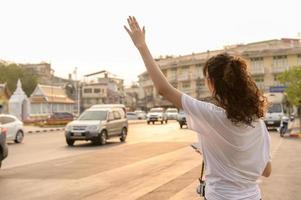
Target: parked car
(182, 119)
(156, 115)
(131, 115)
(141, 114)
(3, 145)
(172, 113)
(98, 124)
(15, 130)
(59, 118)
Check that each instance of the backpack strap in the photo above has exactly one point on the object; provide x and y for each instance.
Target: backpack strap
(202, 172)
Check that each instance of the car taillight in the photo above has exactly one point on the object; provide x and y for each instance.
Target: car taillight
(3, 130)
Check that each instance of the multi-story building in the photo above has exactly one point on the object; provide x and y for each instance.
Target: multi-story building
(265, 59)
(135, 98)
(101, 88)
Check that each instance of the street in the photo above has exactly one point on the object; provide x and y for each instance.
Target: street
(156, 162)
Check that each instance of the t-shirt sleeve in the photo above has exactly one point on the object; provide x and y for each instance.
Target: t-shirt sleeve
(200, 115)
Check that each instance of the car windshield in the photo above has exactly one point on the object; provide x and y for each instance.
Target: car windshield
(172, 111)
(156, 110)
(275, 108)
(93, 115)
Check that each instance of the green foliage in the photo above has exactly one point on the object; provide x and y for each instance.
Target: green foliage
(11, 73)
(292, 79)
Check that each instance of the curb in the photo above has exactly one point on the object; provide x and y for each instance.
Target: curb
(41, 130)
(46, 130)
(295, 135)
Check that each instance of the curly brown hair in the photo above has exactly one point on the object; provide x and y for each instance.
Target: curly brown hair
(234, 89)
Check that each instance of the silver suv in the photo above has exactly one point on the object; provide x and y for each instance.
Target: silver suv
(98, 124)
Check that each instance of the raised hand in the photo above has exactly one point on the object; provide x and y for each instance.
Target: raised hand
(136, 33)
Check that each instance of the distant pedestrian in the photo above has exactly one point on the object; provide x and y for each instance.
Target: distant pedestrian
(234, 139)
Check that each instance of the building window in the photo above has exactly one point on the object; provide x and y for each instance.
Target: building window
(184, 70)
(186, 85)
(173, 74)
(87, 90)
(257, 66)
(199, 71)
(280, 64)
(97, 90)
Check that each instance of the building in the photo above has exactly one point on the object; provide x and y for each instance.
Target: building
(101, 88)
(266, 60)
(47, 99)
(135, 98)
(19, 104)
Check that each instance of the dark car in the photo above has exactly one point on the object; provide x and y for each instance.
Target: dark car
(3, 146)
(59, 118)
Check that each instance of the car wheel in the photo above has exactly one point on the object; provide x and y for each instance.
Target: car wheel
(181, 125)
(166, 121)
(19, 137)
(153, 122)
(70, 142)
(162, 122)
(103, 138)
(123, 135)
(148, 122)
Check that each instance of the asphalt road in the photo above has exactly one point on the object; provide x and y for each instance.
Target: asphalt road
(156, 162)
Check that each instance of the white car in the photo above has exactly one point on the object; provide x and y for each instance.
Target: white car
(14, 127)
(172, 113)
(141, 114)
(131, 115)
(156, 115)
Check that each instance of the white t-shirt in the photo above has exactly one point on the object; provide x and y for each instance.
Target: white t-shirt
(234, 156)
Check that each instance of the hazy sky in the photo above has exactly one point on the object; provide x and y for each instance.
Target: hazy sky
(89, 34)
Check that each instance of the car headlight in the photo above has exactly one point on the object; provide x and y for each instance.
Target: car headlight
(92, 128)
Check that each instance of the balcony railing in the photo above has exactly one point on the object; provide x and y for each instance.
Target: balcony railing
(197, 75)
(172, 78)
(184, 77)
(257, 70)
(279, 69)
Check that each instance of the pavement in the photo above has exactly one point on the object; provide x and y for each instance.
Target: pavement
(156, 163)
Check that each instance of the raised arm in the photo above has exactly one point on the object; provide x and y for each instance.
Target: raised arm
(163, 87)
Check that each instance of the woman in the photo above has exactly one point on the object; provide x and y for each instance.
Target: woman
(235, 142)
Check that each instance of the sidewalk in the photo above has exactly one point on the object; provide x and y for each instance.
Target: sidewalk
(37, 129)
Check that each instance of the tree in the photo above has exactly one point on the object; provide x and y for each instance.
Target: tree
(292, 79)
(12, 72)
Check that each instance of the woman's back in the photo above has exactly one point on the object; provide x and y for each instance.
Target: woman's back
(235, 156)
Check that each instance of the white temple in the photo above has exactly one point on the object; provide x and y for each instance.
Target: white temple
(19, 104)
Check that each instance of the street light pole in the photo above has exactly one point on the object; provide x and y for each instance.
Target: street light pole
(77, 91)
(52, 75)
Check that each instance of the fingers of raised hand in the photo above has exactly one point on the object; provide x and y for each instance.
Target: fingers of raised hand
(133, 24)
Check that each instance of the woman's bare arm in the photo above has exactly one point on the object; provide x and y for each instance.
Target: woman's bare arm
(163, 87)
(268, 170)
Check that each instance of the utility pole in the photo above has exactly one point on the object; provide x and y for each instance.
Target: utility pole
(52, 76)
(77, 91)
